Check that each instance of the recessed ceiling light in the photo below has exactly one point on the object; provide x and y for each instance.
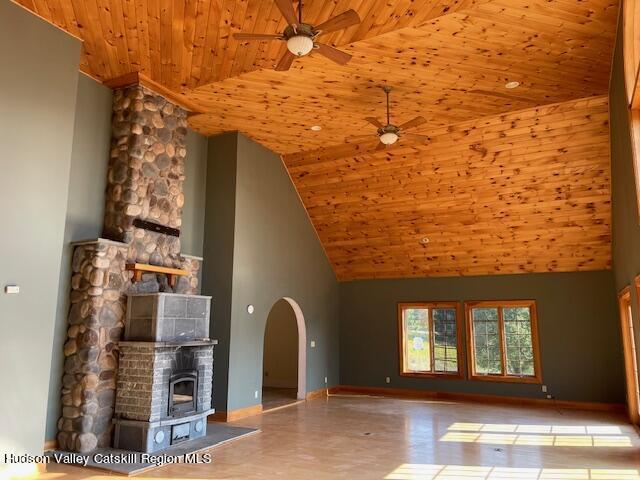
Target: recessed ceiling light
(424, 240)
(316, 128)
(511, 85)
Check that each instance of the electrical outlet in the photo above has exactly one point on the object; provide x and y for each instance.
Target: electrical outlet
(544, 389)
(313, 344)
(255, 394)
(549, 397)
(388, 380)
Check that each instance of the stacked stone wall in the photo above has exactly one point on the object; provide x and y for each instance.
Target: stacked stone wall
(96, 323)
(146, 174)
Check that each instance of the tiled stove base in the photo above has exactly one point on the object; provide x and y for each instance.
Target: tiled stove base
(151, 437)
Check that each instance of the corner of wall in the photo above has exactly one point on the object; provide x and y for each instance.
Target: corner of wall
(218, 251)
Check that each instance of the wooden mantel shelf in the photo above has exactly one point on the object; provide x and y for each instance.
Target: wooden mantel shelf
(171, 273)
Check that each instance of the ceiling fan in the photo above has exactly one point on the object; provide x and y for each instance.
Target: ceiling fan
(301, 37)
(389, 134)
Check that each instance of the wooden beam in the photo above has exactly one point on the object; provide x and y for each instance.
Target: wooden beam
(635, 99)
(138, 78)
(126, 80)
(139, 268)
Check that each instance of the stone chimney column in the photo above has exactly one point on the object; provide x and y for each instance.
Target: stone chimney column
(146, 173)
(145, 178)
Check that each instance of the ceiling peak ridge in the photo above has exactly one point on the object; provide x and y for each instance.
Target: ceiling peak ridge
(350, 149)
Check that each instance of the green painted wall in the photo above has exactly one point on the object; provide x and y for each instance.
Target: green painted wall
(625, 217)
(38, 88)
(85, 211)
(256, 212)
(192, 230)
(579, 338)
(217, 268)
(626, 221)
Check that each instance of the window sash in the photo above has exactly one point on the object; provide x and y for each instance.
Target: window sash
(631, 67)
(504, 345)
(631, 49)
(432, 344)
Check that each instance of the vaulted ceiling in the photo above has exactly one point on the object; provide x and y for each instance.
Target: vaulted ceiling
(510, 180)
(520, 192)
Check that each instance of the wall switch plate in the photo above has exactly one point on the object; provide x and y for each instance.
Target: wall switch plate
(11, 289)
(325, 380)
(313, 344)
(255, 394)
(544, 388)
(388, 380)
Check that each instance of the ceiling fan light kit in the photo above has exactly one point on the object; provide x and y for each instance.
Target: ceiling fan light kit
(300, 45)
(389, 134)
(389, 138)
(301, 37)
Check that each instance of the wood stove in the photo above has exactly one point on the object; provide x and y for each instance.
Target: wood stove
(165, 372)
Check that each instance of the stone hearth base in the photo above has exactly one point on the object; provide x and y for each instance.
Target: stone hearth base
(152, 437)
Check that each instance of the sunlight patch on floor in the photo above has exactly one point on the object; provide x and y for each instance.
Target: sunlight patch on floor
(20, 471)
(523, 428)
(414, 471)
(540, 435)
(618, 441)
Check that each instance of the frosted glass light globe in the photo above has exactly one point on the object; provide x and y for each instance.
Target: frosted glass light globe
(300, 45)
(389, 138)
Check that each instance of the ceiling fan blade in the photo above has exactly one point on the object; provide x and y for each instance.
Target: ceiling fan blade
(414, 136)
(381, 146)
(333, 54)
(361, 138)
(413, 123)
(285, 62)
(287, 10)
(256, 36)
(343, 20)
(374, 121)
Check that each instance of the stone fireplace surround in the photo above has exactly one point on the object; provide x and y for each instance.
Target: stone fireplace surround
(145, 179)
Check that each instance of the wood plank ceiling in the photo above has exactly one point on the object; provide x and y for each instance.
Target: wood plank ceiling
(510, 181)
(519, 192)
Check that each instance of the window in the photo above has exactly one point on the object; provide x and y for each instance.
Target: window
(502, 340)
(429, 339)
(631, 46)
(630, 355)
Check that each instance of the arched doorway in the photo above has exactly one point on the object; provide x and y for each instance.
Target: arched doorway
(284, 365)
